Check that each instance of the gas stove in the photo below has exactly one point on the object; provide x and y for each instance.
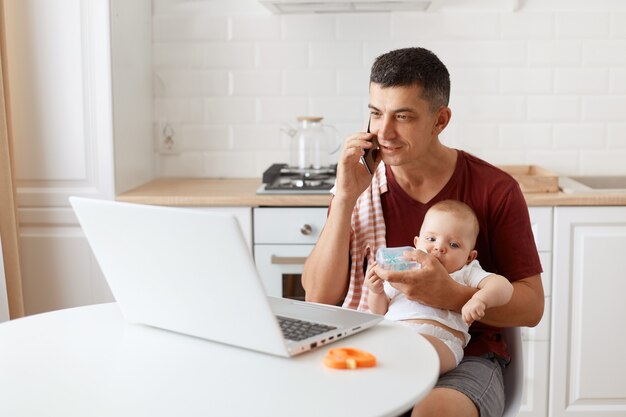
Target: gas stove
(283, 179)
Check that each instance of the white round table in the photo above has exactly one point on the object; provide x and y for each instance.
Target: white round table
(88, 361)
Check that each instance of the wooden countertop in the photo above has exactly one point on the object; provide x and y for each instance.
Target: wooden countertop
(242, 192)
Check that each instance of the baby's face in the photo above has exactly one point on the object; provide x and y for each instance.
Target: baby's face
(448, 238)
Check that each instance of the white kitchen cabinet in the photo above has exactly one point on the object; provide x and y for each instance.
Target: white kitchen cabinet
(536, 340)
(74, 97)
(587, 361)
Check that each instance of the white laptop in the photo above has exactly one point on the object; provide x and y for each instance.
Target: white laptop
(191, 272)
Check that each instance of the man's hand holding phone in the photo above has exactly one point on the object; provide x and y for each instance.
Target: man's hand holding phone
(353, 177)
(371, 159)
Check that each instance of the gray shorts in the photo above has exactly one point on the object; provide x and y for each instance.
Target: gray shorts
(479, 378)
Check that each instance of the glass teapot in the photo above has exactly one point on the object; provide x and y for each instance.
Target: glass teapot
(311, 143)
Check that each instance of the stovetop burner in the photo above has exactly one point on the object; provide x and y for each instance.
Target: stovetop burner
(282, 179)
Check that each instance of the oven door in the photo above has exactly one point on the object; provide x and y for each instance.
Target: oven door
(280, 267)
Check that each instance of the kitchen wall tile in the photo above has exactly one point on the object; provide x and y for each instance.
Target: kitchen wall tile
(229, 164)
(477, 25)
(363, 27)
(306, 27)
(189, 28)
(564, 162)
(553, 108)
(178, 110)
(190, 83)
(525, 136)
(502, 157)
(282, 109)
(282, 55)
(582, 25)
(304, 82)
(618, 25)
(373, 49)
(527, 80)
(353, 82)
(338, 109)
(488, 108)
(181, 165)
(616, 135)
(264, 159)
(524, 26)
(604, 162)
(535, 86)
(177, 55)
(617, 81)
(256, 82)
(481, 53)
(477, 136)
(255, 28)
(229, 110)
(212, 7)
(416, 26)
(228, 55)
(554, 53)
(581, 80)
(203, 137)
(259, 137)
(604, 53)
(336, 54)
(474, 80)
(579, 136)
(604, 108)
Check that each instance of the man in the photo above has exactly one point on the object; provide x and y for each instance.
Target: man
(408, 102)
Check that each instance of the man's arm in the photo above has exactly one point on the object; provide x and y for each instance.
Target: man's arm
(325, 276)
(525, 307)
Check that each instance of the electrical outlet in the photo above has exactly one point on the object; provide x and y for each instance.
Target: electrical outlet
(167, 141)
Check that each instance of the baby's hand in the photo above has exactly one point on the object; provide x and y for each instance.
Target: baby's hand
(473, 310)
(372, 281)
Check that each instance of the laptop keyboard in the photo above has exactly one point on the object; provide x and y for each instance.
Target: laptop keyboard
(294, 329)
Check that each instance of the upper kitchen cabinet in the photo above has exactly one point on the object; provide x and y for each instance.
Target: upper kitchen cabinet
(79, 100)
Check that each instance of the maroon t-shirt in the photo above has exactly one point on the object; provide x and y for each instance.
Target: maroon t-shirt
(505, 243)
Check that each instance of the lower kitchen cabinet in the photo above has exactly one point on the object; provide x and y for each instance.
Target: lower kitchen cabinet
(536, 340)
(587, 361)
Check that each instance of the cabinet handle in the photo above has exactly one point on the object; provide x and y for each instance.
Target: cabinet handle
(288, 260)
(306, 229)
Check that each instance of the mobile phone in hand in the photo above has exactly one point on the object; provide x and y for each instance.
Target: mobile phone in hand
(369, 159)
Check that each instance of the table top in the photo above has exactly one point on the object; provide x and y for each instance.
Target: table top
(88, 361)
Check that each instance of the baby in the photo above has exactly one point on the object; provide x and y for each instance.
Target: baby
(449, 233)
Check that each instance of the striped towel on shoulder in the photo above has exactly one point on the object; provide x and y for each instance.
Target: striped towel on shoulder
(367, 235)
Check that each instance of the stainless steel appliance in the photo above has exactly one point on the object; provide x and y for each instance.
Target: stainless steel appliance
(283, 179)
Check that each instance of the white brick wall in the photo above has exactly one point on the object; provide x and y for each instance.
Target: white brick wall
(539, 86)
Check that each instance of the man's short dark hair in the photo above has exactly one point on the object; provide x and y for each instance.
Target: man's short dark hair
(414, 66)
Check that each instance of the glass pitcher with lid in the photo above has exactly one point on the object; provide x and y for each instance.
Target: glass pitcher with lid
(311, 143)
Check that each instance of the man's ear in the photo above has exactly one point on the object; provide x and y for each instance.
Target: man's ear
(415, 240)
(442, 119)
(472, 255)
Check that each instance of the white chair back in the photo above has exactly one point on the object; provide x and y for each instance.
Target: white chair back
(514, 372)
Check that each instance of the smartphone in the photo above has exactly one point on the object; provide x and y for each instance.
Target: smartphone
(369, 159)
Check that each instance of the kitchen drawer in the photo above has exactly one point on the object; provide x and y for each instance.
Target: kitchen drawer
(288, 225)
(541, 223)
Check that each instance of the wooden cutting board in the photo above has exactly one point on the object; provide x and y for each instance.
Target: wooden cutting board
(533, 179)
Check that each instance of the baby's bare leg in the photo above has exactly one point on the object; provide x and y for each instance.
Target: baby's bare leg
(447, 361)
